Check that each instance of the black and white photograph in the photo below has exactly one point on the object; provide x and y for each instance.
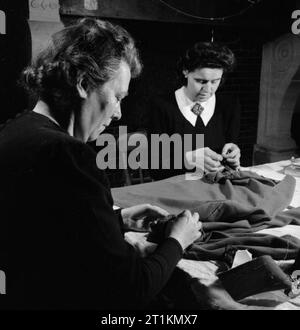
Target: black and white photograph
(149, 158)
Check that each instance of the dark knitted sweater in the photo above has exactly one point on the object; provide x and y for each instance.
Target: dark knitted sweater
(61, 243)
(166, 117)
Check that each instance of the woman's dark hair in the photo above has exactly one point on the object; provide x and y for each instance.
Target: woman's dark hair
(206, 55)
(90, 50)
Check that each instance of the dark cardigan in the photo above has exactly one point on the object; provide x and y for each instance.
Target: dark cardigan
(61, 240)
(165, 117)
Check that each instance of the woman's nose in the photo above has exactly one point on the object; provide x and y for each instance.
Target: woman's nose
(207, 87)
(117, 114)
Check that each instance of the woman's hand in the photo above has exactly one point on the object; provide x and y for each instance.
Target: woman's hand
(185, 228)
(232, 153)
(205, 159)
(139, 217)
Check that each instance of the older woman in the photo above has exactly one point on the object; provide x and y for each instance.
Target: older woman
(195, 108)
(64, 241)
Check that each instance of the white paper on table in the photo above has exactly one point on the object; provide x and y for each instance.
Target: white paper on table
(241, 257)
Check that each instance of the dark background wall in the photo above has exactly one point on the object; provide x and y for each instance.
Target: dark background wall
(160, 57)
(162, 35)
(15, 54)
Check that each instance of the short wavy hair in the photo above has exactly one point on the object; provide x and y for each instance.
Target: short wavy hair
(206, 55)
(90, 50)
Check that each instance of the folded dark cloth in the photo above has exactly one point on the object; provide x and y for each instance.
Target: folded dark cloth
(251, 194)
(214, 245)
(232, 212)
(258, 275)
(236, 176)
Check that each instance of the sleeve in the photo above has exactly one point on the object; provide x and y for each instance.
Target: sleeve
(114, 267)
(119, 217)
(233, 121)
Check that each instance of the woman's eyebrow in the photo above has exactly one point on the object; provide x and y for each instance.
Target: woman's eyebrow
(201, 79)
(206, 80)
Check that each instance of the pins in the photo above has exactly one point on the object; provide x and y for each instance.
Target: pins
(2, 282)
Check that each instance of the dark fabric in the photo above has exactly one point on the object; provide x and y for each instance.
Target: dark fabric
(261, 274)
(62, 241)
(220, 238)
(214, 244)
(252, 194)
(295, 128)
(234, 175)
(231, 211)
(119, 217)
(166, 117)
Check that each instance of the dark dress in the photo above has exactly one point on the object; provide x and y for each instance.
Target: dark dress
(61, 243)
(166, 117)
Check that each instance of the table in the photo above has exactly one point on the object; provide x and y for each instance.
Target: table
(203, 273)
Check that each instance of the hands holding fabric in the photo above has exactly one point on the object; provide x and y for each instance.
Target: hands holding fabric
(232, 153)
(209, 161)
(139, 217)
(185, 228)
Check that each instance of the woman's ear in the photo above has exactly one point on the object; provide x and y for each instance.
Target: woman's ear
(185, 73)
(81, 89)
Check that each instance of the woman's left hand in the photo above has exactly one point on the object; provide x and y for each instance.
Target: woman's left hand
(232, 153)
(139, 217)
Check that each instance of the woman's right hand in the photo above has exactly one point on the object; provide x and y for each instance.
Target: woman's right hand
(212, 161)
(205, 159)
(186, 228)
